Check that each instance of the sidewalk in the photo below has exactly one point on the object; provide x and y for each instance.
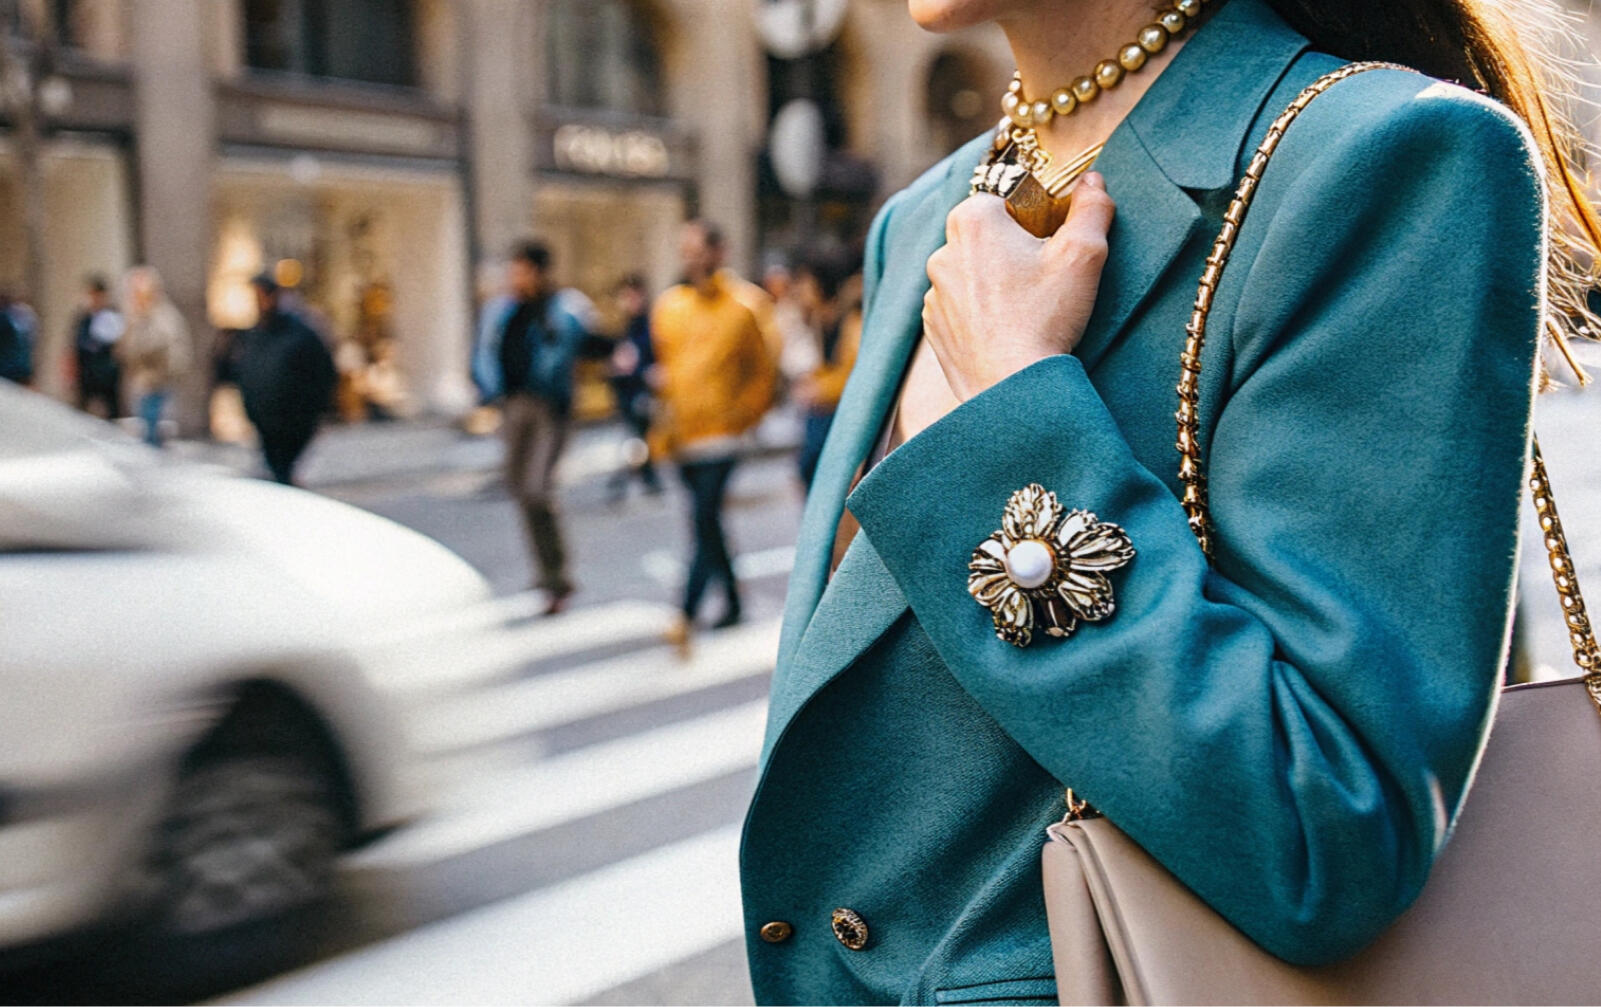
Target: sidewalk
(375, 452)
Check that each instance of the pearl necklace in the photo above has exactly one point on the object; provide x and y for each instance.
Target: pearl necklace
(1108, 73)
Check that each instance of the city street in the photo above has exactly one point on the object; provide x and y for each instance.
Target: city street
(605, 782)
(260, 255)
(591, 784)
(585, 775)
(625, 773)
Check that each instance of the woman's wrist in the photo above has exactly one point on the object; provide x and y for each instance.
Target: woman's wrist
(992, 370)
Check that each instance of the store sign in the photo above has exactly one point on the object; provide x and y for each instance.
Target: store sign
(595, 150)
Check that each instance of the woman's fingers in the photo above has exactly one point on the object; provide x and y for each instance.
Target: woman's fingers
(1081, 240)
(975, 215)
(1000, 298)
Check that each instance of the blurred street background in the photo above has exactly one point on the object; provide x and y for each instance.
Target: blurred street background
(499, 804)
(369, 166)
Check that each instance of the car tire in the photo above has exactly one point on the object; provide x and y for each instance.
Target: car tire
(244, 864)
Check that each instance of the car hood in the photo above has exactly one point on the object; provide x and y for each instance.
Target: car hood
(364, 568)
(69, 483)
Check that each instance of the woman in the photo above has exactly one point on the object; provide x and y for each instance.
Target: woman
(154, 350)
(1290, 728)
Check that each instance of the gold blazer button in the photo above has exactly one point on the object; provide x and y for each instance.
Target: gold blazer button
(850, 928)
(777, 932)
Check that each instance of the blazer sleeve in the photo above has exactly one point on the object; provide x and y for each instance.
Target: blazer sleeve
(1291, 730)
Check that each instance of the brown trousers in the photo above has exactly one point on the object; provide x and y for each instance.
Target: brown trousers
(535, 435)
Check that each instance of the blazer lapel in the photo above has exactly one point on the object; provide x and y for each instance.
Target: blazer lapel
(890, 332)
(1182, 141)
(861, 602)
(1154, 221)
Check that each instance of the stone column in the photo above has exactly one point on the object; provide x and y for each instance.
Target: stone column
(502, 74)
(718, 88)
(175, 126)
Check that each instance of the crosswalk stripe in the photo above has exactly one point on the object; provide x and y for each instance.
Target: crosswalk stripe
(474, 655)
(587, 781)
(487, 614)
(667, 569)
(489, 715)
(558, 945)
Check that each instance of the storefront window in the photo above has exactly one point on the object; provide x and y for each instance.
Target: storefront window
(602, 55)
(372, 41)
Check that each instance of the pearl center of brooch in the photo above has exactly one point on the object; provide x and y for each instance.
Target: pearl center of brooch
(1030, 563)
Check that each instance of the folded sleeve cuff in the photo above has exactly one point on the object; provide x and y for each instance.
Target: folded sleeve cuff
(928, 505)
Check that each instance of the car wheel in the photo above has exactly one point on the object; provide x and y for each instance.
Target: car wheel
(244, 859)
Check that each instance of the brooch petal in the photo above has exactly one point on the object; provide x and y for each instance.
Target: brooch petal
(1046, 568)
(1030, 513)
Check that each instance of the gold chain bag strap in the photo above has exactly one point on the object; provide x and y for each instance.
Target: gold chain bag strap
(1504, 916)
(1192, 471)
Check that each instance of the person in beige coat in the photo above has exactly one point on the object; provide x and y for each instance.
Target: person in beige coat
(154, 351)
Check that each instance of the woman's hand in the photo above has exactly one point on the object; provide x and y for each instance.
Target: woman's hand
(1003, 299)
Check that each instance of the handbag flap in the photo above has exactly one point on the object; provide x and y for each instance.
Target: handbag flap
(1085, 973)
(1508, 914)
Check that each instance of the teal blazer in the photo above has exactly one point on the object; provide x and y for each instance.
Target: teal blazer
(1289, 730)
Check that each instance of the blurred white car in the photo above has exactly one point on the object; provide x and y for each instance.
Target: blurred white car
(198, 709)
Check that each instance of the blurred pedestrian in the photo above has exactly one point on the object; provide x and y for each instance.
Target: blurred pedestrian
(716, 378)
(94, 338)
(798, 354)
(286, 377)
(631, 361)
(154, 350)
(528, 342)
(835, 321)
(16, 341)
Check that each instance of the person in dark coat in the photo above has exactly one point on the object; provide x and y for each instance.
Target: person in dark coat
(286, 377)
(95, 333)
(16, 341)
(631, 360)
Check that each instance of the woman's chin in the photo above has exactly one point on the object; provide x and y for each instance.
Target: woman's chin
(953, 15)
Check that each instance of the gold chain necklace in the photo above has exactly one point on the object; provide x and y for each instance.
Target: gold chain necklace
(1108, 73)
(1020, 170)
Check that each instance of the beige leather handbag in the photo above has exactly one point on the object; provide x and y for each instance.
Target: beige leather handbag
(1512, 910)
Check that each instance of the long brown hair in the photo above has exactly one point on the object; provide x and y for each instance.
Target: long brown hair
(1513, 51)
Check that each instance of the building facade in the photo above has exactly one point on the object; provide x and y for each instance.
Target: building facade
(379, 153)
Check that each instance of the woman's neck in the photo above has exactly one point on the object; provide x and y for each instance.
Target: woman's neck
(1056, 43)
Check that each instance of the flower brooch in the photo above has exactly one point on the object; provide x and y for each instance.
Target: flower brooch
(1046, 567)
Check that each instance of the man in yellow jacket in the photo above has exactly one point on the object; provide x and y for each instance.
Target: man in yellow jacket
(716, 380)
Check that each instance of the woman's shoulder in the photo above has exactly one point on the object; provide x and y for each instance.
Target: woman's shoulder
(1394, 190)
(961, 162)
(1394, 118)
(900, 208)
